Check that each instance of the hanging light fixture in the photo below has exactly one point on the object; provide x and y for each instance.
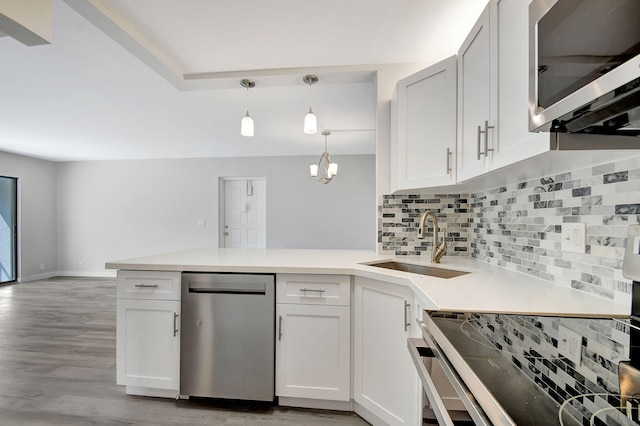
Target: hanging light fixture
(246, 126)
(310, 120)
(330, 170)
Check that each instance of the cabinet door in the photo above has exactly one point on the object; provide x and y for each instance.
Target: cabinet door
(426, 127)
(514, 141)
(313, 355)
(476, 88)
(385, 382)
(148, 343)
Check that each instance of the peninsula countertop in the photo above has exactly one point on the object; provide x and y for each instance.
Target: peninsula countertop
(486, 288)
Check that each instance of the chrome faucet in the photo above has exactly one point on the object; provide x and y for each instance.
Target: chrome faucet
(438, 249)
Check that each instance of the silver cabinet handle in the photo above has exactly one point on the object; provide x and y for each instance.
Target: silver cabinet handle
(479, 151)
(175, 324)
(407, 324)
(312, 290)
(280, 328)
(486, 139)
(146, 285)
(449, 161)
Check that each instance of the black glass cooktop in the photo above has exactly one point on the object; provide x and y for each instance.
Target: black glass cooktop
(517, 359)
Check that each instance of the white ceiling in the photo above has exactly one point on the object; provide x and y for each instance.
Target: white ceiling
(130, 79)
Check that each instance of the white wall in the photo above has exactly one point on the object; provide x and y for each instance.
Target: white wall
(36, 214)
(112, 210)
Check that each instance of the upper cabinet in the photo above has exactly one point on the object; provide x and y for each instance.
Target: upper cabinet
(513, 141)
(476, 115)
(486, 112)
(424, 128)
(493, 77)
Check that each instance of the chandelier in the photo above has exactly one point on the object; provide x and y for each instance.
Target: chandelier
(329, 169)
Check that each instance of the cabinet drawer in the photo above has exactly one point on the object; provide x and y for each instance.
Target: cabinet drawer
(158, 285)
(313, 289)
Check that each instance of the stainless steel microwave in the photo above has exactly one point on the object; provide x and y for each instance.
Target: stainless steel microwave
(584, 66)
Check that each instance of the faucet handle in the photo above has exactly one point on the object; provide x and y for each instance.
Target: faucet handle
(440, 250)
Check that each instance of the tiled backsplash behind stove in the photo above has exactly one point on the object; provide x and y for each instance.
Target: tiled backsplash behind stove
(518, 226)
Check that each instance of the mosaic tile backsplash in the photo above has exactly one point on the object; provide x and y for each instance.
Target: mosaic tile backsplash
(518, 226)
(399, 219)
(531, 343)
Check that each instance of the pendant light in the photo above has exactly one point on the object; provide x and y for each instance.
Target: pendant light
(329, 169)
(310, 120)
(246, 126)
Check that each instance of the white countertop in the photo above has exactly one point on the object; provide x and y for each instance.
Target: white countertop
(486, 288)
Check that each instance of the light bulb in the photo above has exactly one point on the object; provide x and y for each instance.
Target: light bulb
(333, 169)
(246, 126)
(310, 123)
(313, 169)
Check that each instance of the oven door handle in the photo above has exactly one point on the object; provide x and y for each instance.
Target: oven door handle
(417, 350)
(472, 406)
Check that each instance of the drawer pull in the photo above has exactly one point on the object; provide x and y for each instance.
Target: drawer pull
(312, 290)
(280, 328)
(146, 285)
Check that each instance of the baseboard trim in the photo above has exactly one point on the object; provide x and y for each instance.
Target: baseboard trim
(37, 277)
(96, 274)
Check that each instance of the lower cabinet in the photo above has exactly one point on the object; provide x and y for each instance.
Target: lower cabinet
(147, 336)
(148, 344)
(312, 352)
(313, 340)
(386, 385)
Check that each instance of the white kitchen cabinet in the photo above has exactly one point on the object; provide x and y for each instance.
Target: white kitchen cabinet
(386, 386)
(513, 141)
(476, 99)
(313, 341)
(493, 74)
(147, 336)
(423, 142)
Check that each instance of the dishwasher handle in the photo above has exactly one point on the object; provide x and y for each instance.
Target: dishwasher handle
(228, 290)
(227, 287)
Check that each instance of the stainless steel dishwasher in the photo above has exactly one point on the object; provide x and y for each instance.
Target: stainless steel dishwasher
(228, 336)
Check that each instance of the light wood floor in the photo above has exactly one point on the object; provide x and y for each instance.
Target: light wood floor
(58, 367)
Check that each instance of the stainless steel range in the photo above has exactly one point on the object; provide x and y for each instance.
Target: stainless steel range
(514, 369)
(536, 370)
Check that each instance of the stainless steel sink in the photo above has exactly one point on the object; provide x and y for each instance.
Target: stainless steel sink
(417, 269)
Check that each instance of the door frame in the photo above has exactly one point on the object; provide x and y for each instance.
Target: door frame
(16, 233)
(221, 203)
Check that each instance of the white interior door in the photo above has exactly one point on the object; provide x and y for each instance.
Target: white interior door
(244, 213)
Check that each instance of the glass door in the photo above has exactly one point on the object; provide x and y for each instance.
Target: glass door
(8, 229)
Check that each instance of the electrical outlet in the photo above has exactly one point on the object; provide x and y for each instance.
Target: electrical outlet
(42, 266)
(80, 264)
(202, 223)
(574, 237)
(570, 344)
